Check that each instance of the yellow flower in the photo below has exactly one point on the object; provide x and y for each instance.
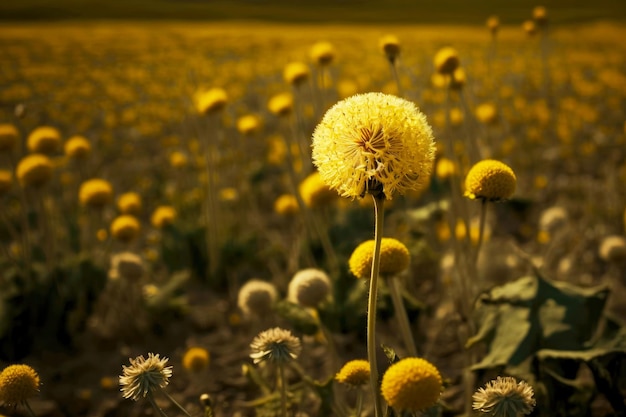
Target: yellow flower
(529, 27)
(354, 373)
(390, 46)
(44, 139)
(286, 205)
(125, 228)
(6, 180)
(314, 192)
(446, 60)
(445, 168)
(458, 79)
(211, 101)
(129, 203)
(394, 258)
(18, 383)
(162, 216)
(77, 147)
(95, 193)
(34, 170)
(493, 24)
(490, 180)
(296, 73)
(376, 143)
(322, 53)
(281, 104)
(487, 113)
(9, 137)
(195, 359)
(249, 124)
(178, 159)
(229, 194)
(411, 384)
(540, 15)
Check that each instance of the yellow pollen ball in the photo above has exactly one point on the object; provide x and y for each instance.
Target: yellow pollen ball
(211, 101)
(77, 147)
(44, 139)
(281, 104)
(129, 203)
(6, 180)
(95, 193)
(249, 124)
(162, 216)
(394, 258)
(296, 73)
(196, 359)
(412, 384)
(314, 192)
(322, 53)
(354, 373)
(9, 137)
(125, 228)
(446, 60)
(490, 180)
(34, 170)
(286, 205)
(18, 383)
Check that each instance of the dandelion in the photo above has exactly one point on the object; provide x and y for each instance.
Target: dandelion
(355, 374)
(129, 203)
(34, 170)
(178, 159)
(9, 137)
(411, 384)
(249, 124)
(540, 16)
(309, 287)
(211, 101)
(95, 193)
(322, 53)
(18, 383)
(77, 147)
(256, 298)
(529, 27)
(490, 180)
(314, 192)
(281, 104)
(504, 397)
(44, 139)
(125, 228)
(144, 376)
(6, 181)
(613, 249)
(195, 359)
(374, 143)
(487, 113)
(493, 24)
(296, 73)
(394, 258)
(163, 216)
(390, 46)
(286, 205)
(446, 60)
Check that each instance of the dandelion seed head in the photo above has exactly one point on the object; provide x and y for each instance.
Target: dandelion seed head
(144, 376)
(309, 287)
(276, 346)
(504, 397)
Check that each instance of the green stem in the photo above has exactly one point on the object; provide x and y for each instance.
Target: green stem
(156, 407)
(283, 389)
(371, 305)
(180, 407)
(400, 313)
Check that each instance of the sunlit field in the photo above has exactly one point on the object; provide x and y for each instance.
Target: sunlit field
(159, 195)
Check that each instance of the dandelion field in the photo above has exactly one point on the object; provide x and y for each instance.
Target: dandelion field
(175, 166)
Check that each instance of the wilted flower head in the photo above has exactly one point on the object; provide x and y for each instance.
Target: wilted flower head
(309, 287)
(275, 346)
(411, 384)
(490, 180)
(143, 376)
(375, 143)
(504, 397)
(18, 383)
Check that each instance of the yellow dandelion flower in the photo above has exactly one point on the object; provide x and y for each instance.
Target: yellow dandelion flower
(296, 73)
(487, 113)
(125, 228)
(314, 192)
(411, 384)
(540, 15)
(286, 205)
(446, 60)
(394, 258)
(229, 194)
(458, 79)
(493, 24)
(178, 160)
(529, 27)
(18, 383)
(322, 53)
(490, 180)
(445, 168)
(374, 143)
(44, 139)
(129, 203)
(211, 101)
(281, 104)
(354, 373)
(9, 137)
(196, 359)
(95, 193)
(162, 216)
(390, 45)
(249, 124)
(77, 147)
(34, 170)
(6, 180)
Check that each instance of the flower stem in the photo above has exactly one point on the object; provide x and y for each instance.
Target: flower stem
(180, 407)
(481, 229)
(359, 403)
(401, 316)
(283, 389)
(371, 305)
(156, 407)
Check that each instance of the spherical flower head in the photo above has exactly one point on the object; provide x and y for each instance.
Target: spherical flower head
(394, 258)
(458, 79)
(504, 397)
(529, 27)
(309, 287)
(374, 143)
(445, 168)
(211, 101)
(490, 180)
(390, 45)
(411, 384)
(296, 73)
(315, 192)
(95, 193)
(129, 203)
(178, 159)
(125, 228)
(540, 15)
(34, 170)
(613, 249)
(277, 346)
(487, 113)
(446, 60)
(493, 24)
(77, 147)
(44, 139)
(163, 216)
(322, 53)
(126, 265)
(286, 205)
(144, 376)
(249, 124)
(196, 359)
(355, 373)
(6, 180)
(18, 383)
(256, 298)
(281, 104)
(9, 137)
